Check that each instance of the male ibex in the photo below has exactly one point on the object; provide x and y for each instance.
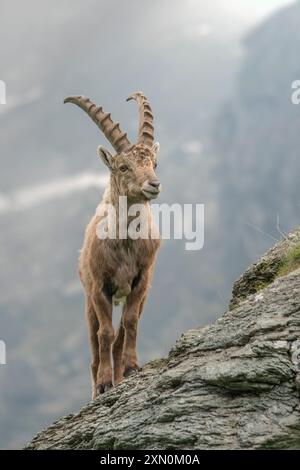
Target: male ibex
(114, 270)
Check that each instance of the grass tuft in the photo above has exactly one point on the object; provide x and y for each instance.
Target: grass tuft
(290, 261)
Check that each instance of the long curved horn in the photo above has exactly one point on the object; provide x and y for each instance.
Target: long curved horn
(146, 129)
(111, 130)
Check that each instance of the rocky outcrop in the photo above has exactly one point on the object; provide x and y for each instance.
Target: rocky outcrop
(231, 385)
(279, 260)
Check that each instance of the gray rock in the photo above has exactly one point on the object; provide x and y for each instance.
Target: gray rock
(232, 385)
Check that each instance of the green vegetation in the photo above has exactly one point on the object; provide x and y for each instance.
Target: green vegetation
(290, 261)
(261, 275)
(261, 285)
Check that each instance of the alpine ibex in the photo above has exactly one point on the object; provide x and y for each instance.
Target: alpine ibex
(114, 270)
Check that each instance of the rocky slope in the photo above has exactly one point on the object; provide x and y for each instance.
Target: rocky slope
(234, 384)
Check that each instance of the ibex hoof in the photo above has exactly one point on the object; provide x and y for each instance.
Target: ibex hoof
(131, 371)
(102, 388)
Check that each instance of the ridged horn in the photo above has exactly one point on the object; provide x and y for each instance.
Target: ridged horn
(111, 130)
(146, 129)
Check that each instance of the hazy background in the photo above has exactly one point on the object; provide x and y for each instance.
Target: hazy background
(218, 75)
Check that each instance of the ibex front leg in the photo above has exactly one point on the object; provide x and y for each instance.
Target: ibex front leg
(93, 327)
(103, 310)
(131, 314)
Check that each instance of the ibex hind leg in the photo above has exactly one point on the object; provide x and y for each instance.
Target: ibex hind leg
(118, 354)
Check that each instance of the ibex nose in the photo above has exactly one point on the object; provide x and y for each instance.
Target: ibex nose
(151, 188)
(154, 183)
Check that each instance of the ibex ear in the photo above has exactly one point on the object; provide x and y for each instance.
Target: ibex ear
(155, 147)
(106, 156)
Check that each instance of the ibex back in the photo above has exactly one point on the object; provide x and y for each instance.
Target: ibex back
(119, 270)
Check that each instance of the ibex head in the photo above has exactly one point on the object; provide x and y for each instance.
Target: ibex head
(133, 165)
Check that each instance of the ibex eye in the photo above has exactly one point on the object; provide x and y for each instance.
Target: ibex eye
(155, 165)
(123, 168)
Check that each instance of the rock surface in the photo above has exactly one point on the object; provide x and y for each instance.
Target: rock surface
(231, 385)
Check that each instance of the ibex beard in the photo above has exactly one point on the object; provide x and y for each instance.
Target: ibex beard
(119, 270)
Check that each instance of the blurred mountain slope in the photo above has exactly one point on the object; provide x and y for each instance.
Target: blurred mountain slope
(257, 137)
